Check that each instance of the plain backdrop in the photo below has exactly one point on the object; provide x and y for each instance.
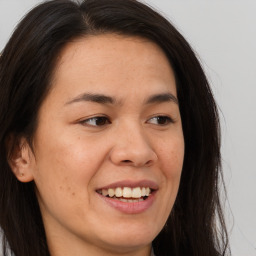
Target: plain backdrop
(223, 33)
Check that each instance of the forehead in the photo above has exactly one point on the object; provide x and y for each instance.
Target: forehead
(109, 45)
(111, 63)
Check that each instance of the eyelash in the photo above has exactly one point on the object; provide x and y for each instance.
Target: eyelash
(99, 121)
(167, 120)
(95, 119)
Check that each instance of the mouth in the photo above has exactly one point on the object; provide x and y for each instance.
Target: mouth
(127, 194)
(129, 197)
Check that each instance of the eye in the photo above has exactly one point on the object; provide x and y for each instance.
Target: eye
(96, 121)
(160, 120)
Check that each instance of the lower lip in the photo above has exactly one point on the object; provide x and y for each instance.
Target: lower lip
(130, 208)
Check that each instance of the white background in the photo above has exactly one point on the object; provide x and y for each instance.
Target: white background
(223, 33)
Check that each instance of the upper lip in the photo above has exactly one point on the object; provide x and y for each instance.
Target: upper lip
(132, 184)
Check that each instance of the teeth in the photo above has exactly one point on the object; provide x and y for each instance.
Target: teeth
(136, 193)
(130, 200)
(104, 192)
(147, 191)
(126, 192)
(111, 192)
(143, 192)
(119, 192)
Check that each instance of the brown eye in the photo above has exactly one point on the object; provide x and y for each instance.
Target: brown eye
(96, 121)
(160, 120)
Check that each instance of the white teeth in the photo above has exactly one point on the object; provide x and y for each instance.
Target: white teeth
(136, 193)
(143, 192)
(119, 192)
(147, 191)
(111, 192)
(127, 192)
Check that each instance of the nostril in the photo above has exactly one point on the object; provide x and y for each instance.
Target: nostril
(149, 162)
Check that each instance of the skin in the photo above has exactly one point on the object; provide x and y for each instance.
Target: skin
(73, 157)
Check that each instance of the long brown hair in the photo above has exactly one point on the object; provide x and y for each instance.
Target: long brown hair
(26, 68)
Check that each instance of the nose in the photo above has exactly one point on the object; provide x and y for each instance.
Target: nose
(132, 148)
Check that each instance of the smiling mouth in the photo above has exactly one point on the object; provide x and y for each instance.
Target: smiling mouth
(127, 194)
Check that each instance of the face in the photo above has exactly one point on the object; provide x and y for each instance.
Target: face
(108, 150)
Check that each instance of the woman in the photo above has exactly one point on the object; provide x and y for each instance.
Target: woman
(109, 136)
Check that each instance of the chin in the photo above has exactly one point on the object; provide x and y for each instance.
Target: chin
(129, 239)
(126, 245)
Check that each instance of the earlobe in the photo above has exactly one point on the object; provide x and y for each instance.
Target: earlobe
(21, 159)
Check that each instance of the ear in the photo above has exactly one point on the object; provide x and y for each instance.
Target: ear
(21, 159)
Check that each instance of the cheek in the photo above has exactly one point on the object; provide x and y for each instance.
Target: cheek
(171, 159)
(171, 155)
(63, 175)
(65, 168)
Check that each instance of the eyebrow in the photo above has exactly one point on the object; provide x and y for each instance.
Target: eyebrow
(104, 99)
(98, 98)
(163, 97)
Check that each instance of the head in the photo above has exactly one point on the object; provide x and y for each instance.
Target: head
(64, 64)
